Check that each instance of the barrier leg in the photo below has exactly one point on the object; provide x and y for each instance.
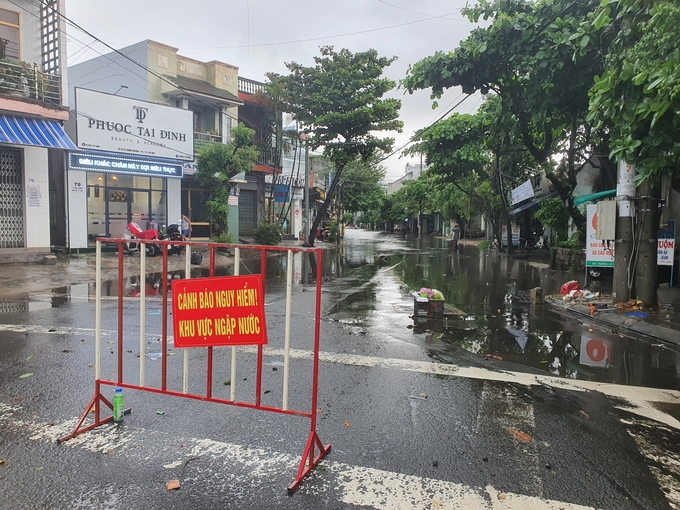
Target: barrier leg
(309, 461)
(96, 401)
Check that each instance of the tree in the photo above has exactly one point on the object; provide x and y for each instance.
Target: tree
(526, 56)
(361, 186)
(340, 101)
(637, 100)
(217, 163)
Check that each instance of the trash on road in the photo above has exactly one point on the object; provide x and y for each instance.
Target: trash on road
(629, 306)
(584, 414)
(227, 382)
(346, 424)
(154, 355)
(172, 485)
(24, 376)
(637, 314)
(522, 436)
(160, 412)
(568, 287)
(2, 461)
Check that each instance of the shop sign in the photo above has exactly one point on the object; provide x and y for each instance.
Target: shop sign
(522, 192)
(281, 193)
(515, 235)
(666, 245)
(594, 352)
(597, 252)
(209, 312)
(121, 165)
(118, 124)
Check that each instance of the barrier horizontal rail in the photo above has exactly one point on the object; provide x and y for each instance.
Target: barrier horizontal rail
(310, 458)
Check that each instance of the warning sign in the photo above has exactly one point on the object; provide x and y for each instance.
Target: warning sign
(208, 312)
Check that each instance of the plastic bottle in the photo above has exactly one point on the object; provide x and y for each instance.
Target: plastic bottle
(118, 405)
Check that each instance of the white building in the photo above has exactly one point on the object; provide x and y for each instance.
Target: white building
(33, 106)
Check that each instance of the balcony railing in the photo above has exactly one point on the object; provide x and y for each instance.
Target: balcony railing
(23, 80)
(250, 86)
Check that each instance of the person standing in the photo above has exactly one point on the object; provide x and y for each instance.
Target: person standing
(186, 227)
(453, 244)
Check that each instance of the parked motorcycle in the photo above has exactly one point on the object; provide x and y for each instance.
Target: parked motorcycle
(172, 233)
(133, 231)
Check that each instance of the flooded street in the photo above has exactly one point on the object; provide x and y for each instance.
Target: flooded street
(498, 403)
(373, 274)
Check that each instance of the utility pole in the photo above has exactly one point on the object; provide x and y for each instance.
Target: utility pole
(646, 277)
(625, 190)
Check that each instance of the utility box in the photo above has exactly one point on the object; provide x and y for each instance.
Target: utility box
(605, 224)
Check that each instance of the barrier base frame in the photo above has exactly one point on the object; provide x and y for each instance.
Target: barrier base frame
(309, 461)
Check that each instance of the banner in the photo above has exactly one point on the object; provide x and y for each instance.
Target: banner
(515, 235)
(597, 252)
(209, 312)
(522, 192)
(666, 245)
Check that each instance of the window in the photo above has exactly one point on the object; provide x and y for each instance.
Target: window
(9, 34)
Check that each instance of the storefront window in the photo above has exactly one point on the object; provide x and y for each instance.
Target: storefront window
(113, 200)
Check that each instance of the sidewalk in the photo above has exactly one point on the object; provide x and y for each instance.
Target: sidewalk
(24, 277)
(662, 324)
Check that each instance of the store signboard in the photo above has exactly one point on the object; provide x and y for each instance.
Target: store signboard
(666, 245)
(597, 252)
(522, 192)
(106, 122)
(92, 161)
(515, 235)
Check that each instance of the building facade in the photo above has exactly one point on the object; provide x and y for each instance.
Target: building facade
(155, 72)
(33, 106)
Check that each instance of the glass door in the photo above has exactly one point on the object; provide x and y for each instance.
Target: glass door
(118, 204)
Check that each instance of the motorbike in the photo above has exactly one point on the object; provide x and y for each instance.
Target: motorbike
(172, 233)
(133, 231)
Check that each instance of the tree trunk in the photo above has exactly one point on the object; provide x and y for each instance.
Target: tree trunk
(646, 278)
(322, 212)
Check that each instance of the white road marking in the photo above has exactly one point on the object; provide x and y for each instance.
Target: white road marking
(354, 485)
(638, 399)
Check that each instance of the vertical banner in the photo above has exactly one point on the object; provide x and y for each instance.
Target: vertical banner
(597, 252)
(515, 235)
(666, 248)
(209, 312)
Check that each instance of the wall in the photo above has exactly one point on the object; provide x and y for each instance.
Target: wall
(108, 72)
(37, 203)
(77, 209)
(161, 59)
(174, 189)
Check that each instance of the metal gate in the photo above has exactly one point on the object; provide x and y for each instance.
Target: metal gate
(247, 212)
(11, 200)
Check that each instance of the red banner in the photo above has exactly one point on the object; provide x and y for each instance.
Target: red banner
(208, 312)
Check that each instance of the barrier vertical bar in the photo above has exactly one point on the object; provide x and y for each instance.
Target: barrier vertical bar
(120, 313)
(286, 335)
(142, 317)
(185, 368)
(232, 388)
(208, 384)
(317, 342)
(98, 312)
(258, 383)
(164, 319)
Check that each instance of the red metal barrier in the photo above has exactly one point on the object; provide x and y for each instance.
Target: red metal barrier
(310, 457)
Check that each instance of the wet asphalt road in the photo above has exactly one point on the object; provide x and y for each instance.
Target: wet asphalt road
(418, 418)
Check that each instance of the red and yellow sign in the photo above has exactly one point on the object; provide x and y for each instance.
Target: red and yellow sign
(208, 312)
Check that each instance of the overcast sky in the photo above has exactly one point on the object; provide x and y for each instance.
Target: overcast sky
(259, 36)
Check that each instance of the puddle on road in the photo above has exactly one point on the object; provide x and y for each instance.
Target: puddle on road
(495, 329)
(367, 284)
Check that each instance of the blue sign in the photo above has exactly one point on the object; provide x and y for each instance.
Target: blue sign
(281, 193)
(123, 165)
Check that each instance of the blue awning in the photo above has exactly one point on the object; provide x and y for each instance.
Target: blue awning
(36, 132)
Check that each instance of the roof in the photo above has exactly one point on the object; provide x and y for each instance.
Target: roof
(203, 87)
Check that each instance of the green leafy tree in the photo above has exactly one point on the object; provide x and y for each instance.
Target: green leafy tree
(526, 56)
(217, 163)
(361, 186)
(637, 98)
(341, 101)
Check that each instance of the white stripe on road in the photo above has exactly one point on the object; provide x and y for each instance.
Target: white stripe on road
(353, 485)
(638, 399)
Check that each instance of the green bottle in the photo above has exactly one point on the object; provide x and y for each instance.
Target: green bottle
(118, 405)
